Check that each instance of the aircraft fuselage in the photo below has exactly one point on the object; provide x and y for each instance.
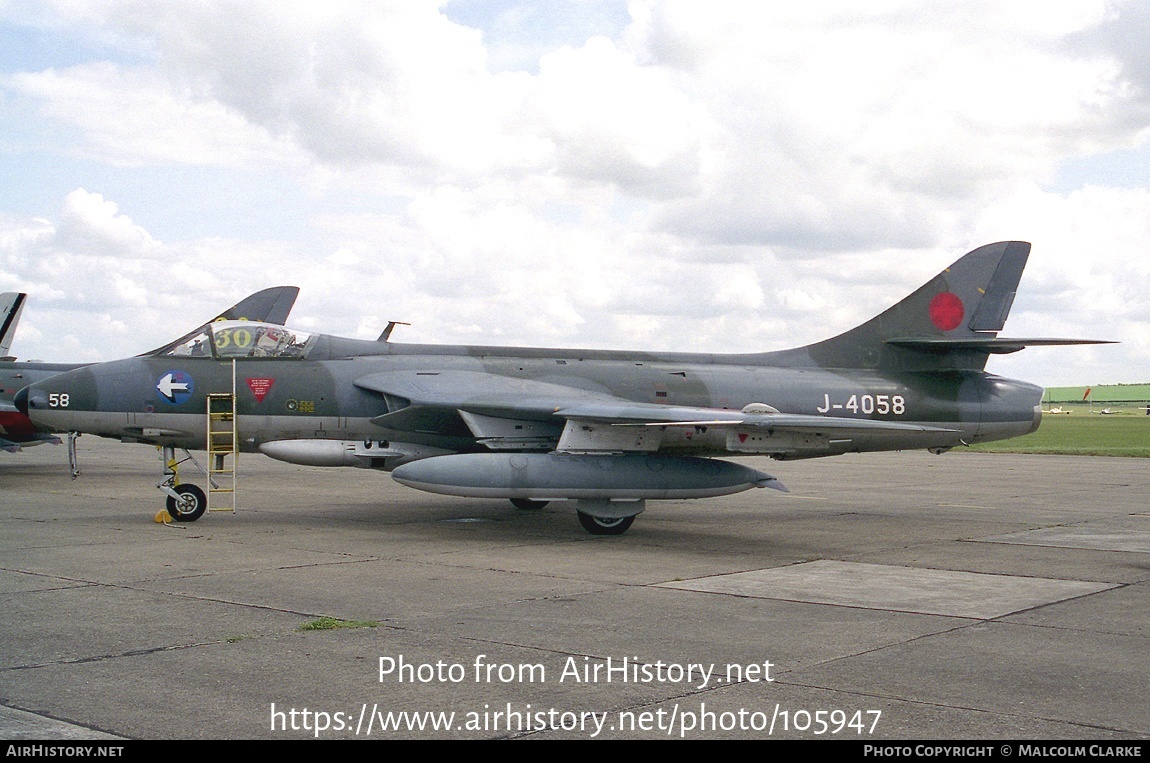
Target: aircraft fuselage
(162, 399)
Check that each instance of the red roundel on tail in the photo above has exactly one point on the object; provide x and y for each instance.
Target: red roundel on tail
(946, 311)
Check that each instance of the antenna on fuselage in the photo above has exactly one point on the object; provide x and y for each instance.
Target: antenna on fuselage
(390, 327)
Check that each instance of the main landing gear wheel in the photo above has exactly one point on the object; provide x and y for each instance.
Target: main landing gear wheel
(190, 506)
(527, 504)
(604, 526)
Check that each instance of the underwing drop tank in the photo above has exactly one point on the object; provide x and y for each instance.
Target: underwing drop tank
(364, 454)
(558, 476)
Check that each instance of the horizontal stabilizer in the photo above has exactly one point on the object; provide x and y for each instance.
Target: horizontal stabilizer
(993, 345)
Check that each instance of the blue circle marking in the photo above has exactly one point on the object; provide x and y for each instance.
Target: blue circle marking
(175, 387)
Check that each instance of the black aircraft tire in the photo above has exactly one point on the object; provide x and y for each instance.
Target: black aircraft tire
(527, 504)
(191, 505)
(600, 526)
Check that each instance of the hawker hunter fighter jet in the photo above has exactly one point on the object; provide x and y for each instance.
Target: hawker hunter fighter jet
(607, 430)
(17, 431)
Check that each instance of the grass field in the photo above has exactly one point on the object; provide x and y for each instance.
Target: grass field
(1082, 434)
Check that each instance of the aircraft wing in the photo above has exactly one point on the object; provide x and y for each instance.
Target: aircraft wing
(505, 413)
(489, 407)
(478, 392)
(626, 426)
(654, 415)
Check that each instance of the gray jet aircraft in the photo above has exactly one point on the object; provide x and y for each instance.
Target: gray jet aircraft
(608, 430)
(17, 430)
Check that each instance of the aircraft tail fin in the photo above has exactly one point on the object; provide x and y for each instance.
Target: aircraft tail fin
(952, 321)
(11, 305)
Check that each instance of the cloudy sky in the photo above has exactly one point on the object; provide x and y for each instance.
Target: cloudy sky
(712, 176)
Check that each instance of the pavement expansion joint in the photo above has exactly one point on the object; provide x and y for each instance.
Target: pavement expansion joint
(21, 724)
(905, 589)
(1095, 538)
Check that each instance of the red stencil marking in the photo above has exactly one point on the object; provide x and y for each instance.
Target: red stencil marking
(260, 387)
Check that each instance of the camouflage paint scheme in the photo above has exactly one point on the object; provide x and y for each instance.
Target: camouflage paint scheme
(543, 423)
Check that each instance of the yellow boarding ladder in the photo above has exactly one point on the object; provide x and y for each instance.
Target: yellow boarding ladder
(222, 442)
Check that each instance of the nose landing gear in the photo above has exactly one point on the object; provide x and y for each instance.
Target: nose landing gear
(186, 502)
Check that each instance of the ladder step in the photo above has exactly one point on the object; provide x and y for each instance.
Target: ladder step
(222, 442)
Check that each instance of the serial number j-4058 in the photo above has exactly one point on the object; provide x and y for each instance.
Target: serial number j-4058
(881, 404)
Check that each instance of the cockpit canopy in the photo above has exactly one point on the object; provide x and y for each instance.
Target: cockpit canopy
(244, 339)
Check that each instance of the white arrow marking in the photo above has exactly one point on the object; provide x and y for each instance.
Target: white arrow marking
(168, 388)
